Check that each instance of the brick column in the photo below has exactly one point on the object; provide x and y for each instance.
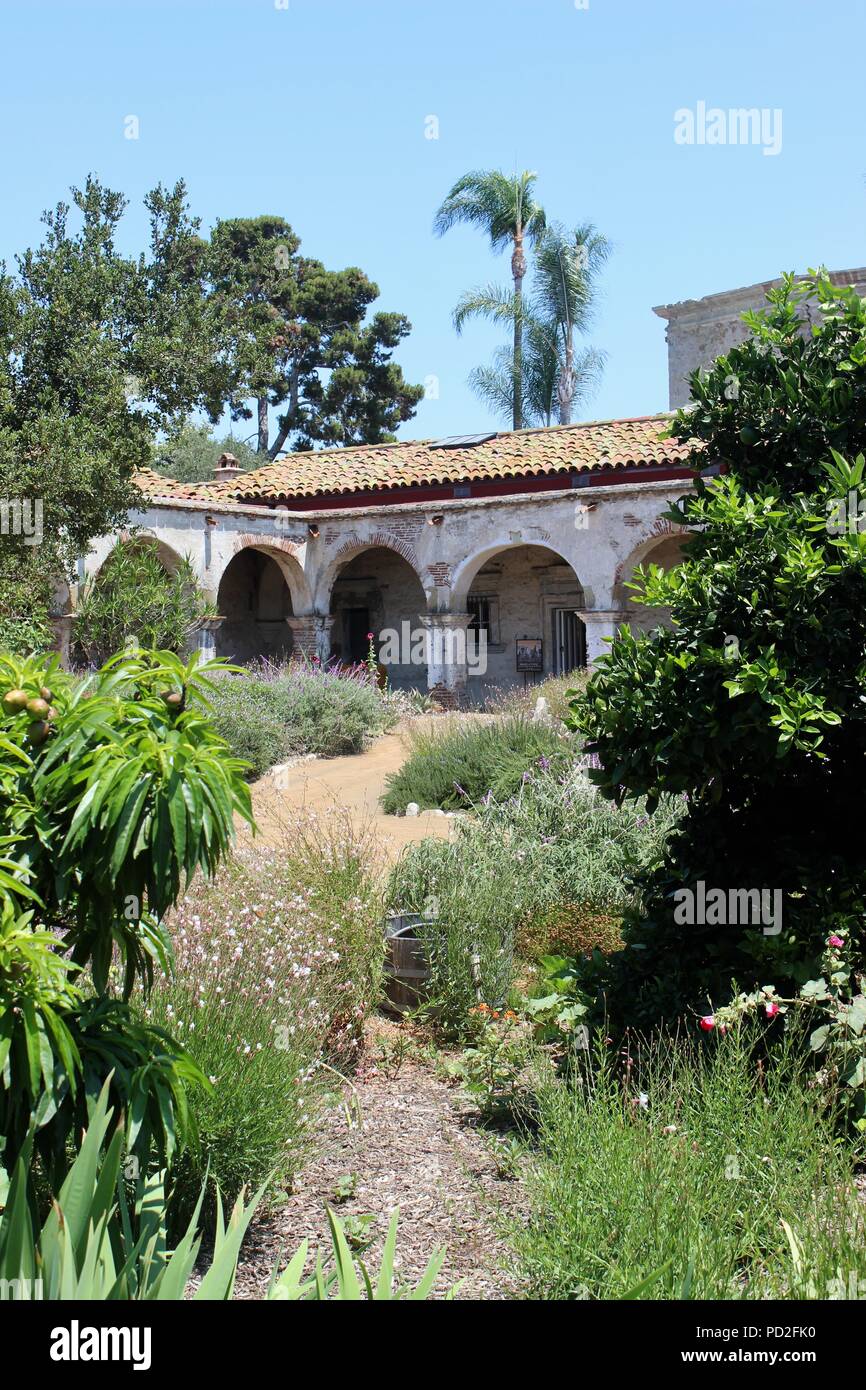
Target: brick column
(311, 634)
(446, 657)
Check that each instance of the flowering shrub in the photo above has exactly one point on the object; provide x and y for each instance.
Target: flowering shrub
(836, 1003)
(491, 1068)
(277, 966)
(513, 867)
(275, 712)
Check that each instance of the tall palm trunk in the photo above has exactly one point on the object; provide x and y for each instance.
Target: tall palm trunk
(566, 379)
(518, 270)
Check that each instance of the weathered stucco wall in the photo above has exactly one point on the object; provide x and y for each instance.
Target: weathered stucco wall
(700, 330)
(573, 549)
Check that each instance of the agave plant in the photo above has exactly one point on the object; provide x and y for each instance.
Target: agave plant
(100, 1243)
(346, 1281)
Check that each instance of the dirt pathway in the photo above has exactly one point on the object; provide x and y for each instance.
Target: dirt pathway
(408, 1141)
(352, 783)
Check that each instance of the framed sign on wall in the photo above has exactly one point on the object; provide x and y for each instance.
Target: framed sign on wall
(530, 654)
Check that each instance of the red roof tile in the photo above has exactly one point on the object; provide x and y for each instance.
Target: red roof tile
(602, 444)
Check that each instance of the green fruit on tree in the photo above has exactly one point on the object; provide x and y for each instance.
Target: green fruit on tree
(748, 434)
(38, 731)
(46, 694)
(174, 699)
(38, 708)
(14, 701)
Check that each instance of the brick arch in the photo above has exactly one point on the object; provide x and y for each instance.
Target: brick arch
(658, 534)
(351, 549)
(285, 555)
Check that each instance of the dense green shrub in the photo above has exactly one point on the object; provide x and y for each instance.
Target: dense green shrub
(25, 599)
(698, 1173)
(135, 597)
(274, 713)
(754, 703)
(114, 791)
(555, 847)
(277, 965)
(469, 760)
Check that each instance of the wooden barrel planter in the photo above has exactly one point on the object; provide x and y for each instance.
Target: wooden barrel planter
(407, 969)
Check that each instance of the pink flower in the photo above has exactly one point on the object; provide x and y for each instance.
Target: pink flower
(836, 941)
(369, 636)
(708, 1023)
(771, 1010)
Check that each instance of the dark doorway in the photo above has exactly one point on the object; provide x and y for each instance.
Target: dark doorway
(569, 641)
(356, 625)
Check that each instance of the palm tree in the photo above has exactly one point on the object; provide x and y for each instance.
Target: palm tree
(503, 206)
(540, 384)
(567, 266)
(553, 373)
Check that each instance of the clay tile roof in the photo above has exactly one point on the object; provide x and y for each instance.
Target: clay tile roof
(157, 485)
(602, 444)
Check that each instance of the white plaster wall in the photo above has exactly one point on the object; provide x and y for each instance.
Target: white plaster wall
(594, 531)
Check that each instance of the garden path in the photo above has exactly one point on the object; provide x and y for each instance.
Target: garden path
(407, 1140)
(352, 784)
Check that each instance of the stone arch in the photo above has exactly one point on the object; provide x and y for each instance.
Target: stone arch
(663, 547)
(261, 587)
(522, 588)
(374, 586)
(284, 553)
(169, 558)
(350, 550)
(464, 574)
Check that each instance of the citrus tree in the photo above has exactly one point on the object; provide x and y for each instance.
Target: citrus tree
(751, 707)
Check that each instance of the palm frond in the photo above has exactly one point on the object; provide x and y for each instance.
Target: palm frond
(499, 204)
(492, 302)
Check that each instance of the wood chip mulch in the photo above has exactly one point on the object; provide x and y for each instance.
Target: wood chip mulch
(411, 1141)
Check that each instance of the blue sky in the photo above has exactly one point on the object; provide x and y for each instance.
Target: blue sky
(317, 112)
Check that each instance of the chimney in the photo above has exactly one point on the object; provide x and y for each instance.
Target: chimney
(226, 469)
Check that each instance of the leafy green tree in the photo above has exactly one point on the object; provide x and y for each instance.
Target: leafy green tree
(135, 596)
(100, 352)
(192, 455)
(299, 341)
(752, 706)
(504, 208)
